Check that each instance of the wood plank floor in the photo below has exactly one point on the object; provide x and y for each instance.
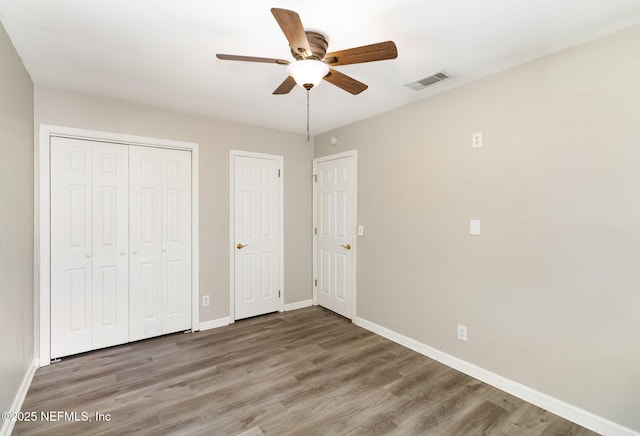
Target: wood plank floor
(306, 372)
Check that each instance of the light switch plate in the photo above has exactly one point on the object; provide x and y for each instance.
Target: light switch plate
(474, 227)
(360, 230)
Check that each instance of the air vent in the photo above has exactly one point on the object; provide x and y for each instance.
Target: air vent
(429, 80)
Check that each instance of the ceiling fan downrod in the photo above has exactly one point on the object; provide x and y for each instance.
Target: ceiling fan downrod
(308, 135)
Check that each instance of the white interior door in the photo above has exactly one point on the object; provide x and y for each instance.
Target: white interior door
(160, 241)
(334, 209)
(257, 243)
(88, 245)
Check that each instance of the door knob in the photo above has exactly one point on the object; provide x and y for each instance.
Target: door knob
(240, 246)
(346, 247)
(88, 255)
(135, 251)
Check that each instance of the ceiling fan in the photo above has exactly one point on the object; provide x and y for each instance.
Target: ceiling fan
(312, 62)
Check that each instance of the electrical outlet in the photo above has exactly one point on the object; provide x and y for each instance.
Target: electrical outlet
(462, 332)
(476, 140)
(205, 300)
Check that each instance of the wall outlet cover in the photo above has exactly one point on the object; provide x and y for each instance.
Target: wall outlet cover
(462, 332)
(476, 140)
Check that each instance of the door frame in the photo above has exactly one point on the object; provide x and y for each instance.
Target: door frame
(354, 154)
(42, 240)
(280, 159)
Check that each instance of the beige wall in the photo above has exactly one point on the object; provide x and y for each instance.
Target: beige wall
(550, 291)
(16, 221)
(216, 138)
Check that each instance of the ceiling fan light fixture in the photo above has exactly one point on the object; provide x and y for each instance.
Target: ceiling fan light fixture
(308, 72)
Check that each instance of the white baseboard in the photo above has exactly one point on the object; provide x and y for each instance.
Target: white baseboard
(7, 426)
(298, 305)
(553, 405)
(221, 322)
(214, 323)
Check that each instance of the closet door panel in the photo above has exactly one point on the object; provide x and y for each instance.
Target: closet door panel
(110, 237)
(70, 247)
(176, 250)
(145, 239)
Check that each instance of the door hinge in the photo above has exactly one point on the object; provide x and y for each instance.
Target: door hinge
(278, 173)
(315, 282)
(315, 231)
(278, 293)
(315, 178)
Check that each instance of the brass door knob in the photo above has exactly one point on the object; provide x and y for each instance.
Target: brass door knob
(240, 246)
(346, 247)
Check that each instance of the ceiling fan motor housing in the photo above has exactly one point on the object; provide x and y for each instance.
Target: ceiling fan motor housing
(318, 44)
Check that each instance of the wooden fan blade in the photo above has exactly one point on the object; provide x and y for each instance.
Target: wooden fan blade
(291, 26)
(345, 82)
(367, 53)
(286, 86)
(227, 57)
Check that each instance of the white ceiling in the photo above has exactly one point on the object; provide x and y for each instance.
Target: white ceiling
(162, 52)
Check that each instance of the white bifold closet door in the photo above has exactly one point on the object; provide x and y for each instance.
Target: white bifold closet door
(160, 241)
(120, 243)
(89, 246)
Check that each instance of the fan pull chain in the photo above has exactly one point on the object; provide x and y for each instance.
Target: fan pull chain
(307, 115)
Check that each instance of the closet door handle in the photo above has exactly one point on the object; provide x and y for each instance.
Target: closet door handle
(88, 255)
(135, 251)
(241, 246)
